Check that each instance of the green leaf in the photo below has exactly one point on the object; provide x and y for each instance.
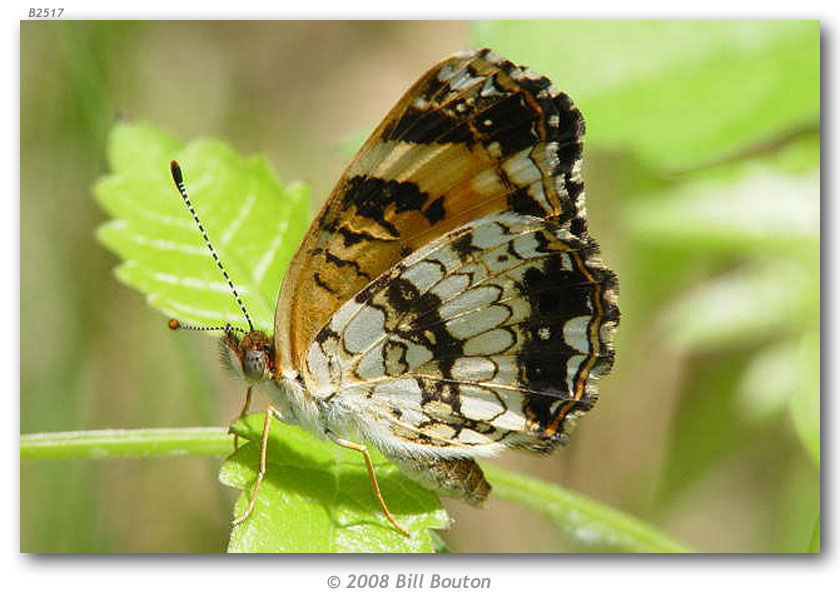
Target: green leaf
(787, 376)
(770, 381)
(317, 497)
(254, 222)
(766, 299)
(677, 93)
(805, 401)
(708, 429)
(757, 213)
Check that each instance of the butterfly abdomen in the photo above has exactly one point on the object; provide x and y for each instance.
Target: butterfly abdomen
(459, 478)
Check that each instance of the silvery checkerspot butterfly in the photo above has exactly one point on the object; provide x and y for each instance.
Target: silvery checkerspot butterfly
(448, 301)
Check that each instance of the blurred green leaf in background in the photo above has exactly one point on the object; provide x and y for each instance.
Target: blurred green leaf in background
(676, 93)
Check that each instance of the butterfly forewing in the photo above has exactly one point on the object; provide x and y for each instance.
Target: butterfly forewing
(475, 136)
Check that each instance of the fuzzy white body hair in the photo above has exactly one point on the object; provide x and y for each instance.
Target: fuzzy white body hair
(349, 415)
(352, 409)
(297, 408)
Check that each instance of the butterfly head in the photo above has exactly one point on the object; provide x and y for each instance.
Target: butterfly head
(254, 354)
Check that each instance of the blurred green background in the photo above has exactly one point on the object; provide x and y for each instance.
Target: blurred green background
(702, 168)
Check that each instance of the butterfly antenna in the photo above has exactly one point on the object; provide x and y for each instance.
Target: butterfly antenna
(179, 182)
(176, 324)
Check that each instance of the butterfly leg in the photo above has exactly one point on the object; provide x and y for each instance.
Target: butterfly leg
(269, 413)
(244, 412)
(374, 484)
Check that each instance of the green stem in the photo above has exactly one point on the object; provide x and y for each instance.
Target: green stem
(581, 517)
(585, 519)
(110, 443)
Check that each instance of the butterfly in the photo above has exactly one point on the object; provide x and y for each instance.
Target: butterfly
(447, 302)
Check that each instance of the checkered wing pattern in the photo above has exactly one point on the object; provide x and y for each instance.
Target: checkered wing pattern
(491, 337)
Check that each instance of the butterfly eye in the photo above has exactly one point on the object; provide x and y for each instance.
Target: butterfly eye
(255, 363)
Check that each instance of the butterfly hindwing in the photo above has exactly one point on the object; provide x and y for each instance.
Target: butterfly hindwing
(490, 337)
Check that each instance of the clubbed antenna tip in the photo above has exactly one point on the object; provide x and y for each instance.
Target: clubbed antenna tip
(175, 168)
